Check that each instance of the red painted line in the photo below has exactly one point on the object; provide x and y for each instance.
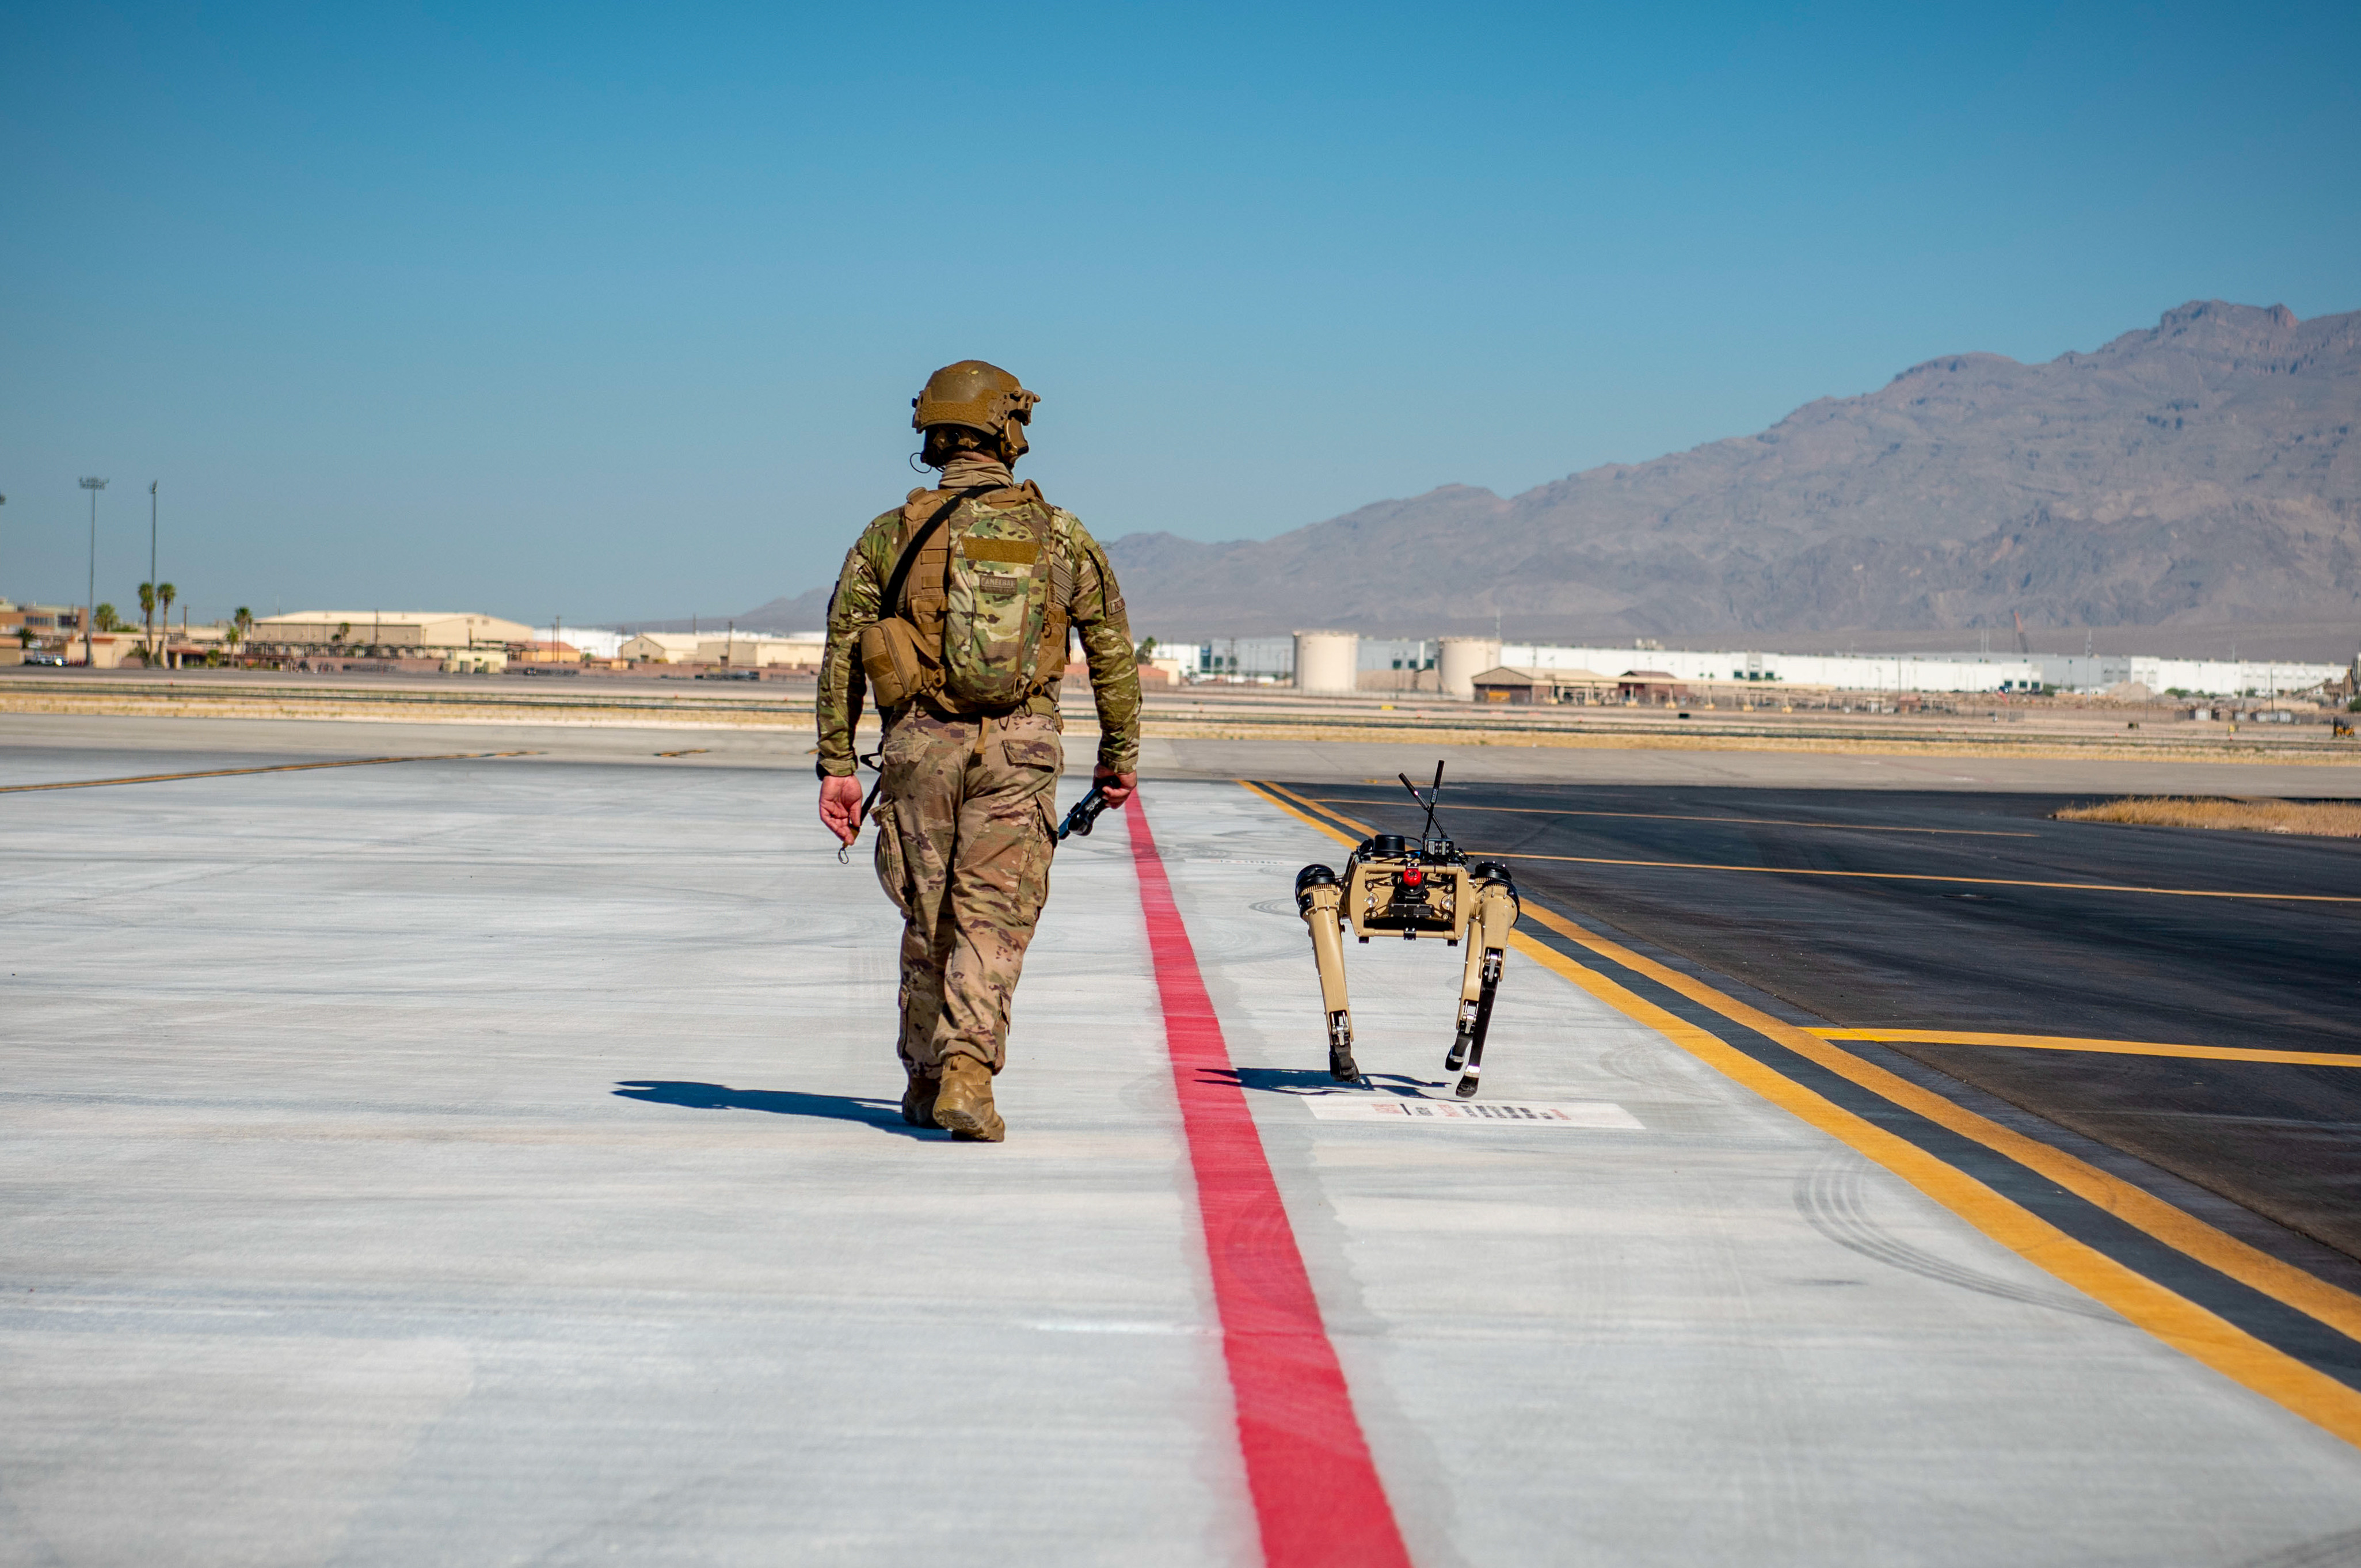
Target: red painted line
(1316, 1493)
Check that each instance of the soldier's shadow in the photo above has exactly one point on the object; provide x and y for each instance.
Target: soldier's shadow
(883, 1115)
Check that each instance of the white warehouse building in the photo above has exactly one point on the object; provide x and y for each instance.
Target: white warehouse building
(2221, 677)
(1836, 672)
(1458, 659)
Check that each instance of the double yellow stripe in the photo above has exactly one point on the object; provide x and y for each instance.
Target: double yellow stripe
(1919, 876)
(2206, 1336)
(2103, 1048)
(1671, 816)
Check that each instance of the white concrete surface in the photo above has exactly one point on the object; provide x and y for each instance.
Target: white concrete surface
(327, 1237)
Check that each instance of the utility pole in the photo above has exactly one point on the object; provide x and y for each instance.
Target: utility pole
(152, 578)
(90, 606)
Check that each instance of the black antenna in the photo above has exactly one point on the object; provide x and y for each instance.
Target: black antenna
(1426, 800)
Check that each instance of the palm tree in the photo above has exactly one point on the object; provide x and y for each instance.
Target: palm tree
(147, 620)
(105, 618)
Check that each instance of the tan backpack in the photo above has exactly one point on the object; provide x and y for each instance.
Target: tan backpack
(982, 625)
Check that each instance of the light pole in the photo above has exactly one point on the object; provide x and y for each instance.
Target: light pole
(151, 653)
(89, 656)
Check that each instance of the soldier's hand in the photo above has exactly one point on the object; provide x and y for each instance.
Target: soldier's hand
(1116, 787)
(839, 807)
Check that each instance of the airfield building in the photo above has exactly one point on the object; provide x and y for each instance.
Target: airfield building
(389, 633)
(737, 650)
(1530, 687)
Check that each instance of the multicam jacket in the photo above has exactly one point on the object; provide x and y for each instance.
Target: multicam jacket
(1081, 581)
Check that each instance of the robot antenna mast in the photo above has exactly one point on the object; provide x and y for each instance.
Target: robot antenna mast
(1426, 800)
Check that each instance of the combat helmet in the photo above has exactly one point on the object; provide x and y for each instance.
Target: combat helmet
(979, 397)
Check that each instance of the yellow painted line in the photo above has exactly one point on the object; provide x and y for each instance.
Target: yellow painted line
(2185, 1232)
(2171, 1318)
(1916, 876)
(1667, 816)
(277, 768)
(2075, 1042)
(1273, 793)
(2177, 1322)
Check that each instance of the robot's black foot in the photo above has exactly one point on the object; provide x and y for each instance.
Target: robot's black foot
(1467, 1090)
(1458, 1057)
(1341, 1065)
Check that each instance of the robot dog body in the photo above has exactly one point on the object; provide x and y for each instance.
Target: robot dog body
(1416, 887)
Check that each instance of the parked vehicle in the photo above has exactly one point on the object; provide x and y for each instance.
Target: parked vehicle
(41, 656)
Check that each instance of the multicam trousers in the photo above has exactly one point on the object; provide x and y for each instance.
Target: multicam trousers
(966, 820)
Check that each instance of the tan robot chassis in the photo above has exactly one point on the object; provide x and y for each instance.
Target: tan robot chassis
(1421, 886)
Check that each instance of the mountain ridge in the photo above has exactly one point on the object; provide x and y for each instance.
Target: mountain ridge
(2199, 472)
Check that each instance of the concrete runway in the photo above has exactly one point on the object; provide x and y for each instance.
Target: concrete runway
(495, 1160)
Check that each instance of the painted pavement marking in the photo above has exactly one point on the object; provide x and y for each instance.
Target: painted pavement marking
(1409, 1111)
(2077, 1043)
(1318, 1501)
(1920, 876)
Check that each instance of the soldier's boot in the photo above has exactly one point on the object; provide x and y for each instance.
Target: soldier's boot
(963, 1102)
(919, 1098)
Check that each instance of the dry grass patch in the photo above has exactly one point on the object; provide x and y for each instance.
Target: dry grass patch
(2314, 818)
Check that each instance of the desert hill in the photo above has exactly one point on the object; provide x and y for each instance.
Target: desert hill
(2198, 473)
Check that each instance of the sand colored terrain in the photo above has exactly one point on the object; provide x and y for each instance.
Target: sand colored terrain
(2313, 819)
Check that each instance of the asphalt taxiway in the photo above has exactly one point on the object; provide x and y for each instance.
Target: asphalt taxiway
(1917, 915)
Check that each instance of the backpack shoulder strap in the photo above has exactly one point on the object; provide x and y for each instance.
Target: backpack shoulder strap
(890, 603)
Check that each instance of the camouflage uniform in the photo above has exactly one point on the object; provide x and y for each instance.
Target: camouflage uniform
(966, 814)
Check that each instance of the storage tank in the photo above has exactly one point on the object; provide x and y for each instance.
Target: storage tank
(1327, 662)
(1464, 659)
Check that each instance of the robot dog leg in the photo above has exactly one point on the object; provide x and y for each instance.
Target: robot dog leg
(1488, 930)
(1320, 901)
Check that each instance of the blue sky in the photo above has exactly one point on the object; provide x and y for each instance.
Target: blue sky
(615, 312)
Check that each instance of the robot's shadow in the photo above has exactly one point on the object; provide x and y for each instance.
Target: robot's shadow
(1303, 1081)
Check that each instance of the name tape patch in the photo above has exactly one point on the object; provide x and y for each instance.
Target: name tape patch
(1013, 552)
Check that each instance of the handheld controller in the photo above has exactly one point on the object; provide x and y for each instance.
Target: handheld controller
(1085, 814)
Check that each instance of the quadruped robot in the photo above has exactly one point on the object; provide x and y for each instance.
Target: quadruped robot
(1415, 886)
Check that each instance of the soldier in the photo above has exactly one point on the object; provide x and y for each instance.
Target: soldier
(952, 610)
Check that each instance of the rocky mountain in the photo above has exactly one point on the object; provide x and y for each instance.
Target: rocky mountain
(2201, 472)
